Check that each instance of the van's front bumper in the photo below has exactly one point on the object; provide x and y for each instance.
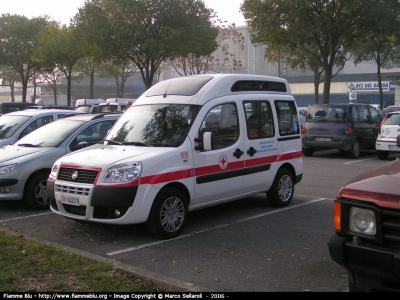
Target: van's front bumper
(369, 267)
(96, 203)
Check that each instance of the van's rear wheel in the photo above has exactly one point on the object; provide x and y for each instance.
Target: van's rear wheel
(35, 194)
(282, 189)
(168, 214)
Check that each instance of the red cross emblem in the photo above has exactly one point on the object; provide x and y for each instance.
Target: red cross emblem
(223, 162)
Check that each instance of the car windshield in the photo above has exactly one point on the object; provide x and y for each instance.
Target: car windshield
(157, 125)
(10, 124)
(326, 113)
(51, 135)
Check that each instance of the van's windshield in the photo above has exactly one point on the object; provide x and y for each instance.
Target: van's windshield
(156, 125)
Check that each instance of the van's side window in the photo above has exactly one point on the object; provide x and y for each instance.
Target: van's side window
(287, 117)
(259, 120)
(222, 121)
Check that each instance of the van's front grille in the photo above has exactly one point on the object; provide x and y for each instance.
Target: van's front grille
(84, 176)
(71, 190)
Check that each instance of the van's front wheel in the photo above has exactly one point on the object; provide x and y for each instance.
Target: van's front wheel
(282, 189)
(168, 214)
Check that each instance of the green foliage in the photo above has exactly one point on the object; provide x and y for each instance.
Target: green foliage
(147, 31)
(18, 41)
(60, 47)
(321, 30)
(30, 266)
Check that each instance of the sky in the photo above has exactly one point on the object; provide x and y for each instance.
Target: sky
(63, 10)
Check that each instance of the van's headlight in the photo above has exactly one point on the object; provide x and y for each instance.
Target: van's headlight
(123, 173)
(362, 221)
(7, 169)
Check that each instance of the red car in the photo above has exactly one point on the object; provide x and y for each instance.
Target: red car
(367, 225)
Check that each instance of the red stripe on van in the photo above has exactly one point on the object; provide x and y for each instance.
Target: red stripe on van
(289, 156)
(166, 177)
(261, 161)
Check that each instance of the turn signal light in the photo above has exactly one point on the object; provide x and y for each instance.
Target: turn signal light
(337, 216)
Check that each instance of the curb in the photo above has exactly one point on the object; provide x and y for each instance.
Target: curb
(161, 282)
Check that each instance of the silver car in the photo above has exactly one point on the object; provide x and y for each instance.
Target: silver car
(15, 125)
(25, 166)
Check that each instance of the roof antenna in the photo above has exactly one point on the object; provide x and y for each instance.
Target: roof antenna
(165, 94)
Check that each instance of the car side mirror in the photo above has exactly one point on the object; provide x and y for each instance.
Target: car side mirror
(208, 141)
(81, 145)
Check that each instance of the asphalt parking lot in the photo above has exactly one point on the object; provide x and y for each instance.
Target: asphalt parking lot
(241, 246)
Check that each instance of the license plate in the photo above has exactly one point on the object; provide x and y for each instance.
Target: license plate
(72, 200)
(323, 139)
(392, 147)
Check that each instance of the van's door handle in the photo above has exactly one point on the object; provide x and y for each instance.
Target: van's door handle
(238, 153)
(251, 151)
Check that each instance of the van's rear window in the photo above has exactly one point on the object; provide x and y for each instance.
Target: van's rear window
(185, 86)
(257, 85)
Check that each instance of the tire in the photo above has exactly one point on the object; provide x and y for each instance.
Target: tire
(35, 194)
(382, 154)
(354, 152)
(282, 189)
(168, 215)
(308, 151)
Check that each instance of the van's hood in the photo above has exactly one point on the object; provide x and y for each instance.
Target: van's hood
(102, 156)
(11, 152)
(379, 186)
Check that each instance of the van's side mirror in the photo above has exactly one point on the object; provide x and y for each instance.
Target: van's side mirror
(208, 141)
(398, 140)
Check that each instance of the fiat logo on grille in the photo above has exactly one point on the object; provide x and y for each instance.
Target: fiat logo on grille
(74, 175)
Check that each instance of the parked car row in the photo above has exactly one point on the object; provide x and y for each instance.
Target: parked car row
(25, 165)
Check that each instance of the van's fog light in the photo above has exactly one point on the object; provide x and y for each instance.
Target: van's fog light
(117, 213)
(4, 190)
(362, 221)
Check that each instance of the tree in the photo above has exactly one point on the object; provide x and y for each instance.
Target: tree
(51, 75)
(324, 29)
(18, 41)
(60, 47)
(380, 44)
(200, 64)
(146, 32)
(9, 77)
(120, 73)
(87, 66)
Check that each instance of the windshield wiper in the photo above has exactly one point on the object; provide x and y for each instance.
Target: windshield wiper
(29, 145)
(135, 144)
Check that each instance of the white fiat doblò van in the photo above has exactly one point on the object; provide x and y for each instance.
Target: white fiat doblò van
(187, 143)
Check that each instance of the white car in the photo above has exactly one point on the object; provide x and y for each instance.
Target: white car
(16, 125)
(25, 166)
(388, 132)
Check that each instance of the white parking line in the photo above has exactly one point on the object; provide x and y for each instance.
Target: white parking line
(30, 216)
(213, 228)
(358, 160)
